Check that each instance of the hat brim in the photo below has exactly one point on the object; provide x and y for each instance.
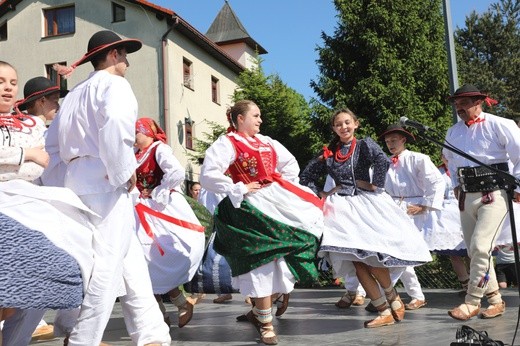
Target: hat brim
(410, 138)
(467, 94)
(23, 106)
(131, 45)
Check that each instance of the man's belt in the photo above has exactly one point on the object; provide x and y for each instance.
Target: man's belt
(482, 179)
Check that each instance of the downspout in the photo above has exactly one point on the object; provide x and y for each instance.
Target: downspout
(164, 78)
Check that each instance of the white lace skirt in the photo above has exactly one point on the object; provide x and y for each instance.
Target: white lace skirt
(183, 247)
(370, 228)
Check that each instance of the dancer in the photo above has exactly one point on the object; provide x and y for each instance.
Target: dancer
(96, 134)
(365, 229)
(170, 234)
(482, 193)
(269, 226)
(49, 222)
(41, 100)
(417, 187)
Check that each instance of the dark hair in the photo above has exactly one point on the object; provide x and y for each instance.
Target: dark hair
(240, 107)
(101, 57)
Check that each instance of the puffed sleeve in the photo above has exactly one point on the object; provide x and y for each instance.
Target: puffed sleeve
(219, 156)
(315, 169)
(287, 165)
(430, 180)
(380, 162)
(173, 173)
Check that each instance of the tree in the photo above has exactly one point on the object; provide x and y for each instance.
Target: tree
(386, 59)
(488, 54)
(201, 145)
(286, 115)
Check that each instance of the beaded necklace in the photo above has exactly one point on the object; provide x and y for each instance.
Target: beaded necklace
(339, 157)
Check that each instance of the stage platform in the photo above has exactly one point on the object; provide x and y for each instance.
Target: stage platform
(312, 319)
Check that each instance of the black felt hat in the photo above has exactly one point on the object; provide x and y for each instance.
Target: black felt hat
(396, 128)
(105, 40)
(467, 90)
(38, 87)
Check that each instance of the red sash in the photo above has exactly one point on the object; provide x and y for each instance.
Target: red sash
(141, 209)
(305, 195)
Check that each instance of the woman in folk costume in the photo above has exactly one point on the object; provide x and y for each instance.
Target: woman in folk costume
(365, 229)
(45, 236)
(269, 226)
(170, 233)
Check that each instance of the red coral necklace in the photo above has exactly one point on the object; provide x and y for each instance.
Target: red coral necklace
(339, 157)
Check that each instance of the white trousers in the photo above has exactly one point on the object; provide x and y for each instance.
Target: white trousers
(118, 258)
(409, 279)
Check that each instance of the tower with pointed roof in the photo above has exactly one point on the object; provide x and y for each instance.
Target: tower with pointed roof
(231, 36)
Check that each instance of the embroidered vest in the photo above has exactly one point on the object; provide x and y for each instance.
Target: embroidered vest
(255, 161)
(149, 174)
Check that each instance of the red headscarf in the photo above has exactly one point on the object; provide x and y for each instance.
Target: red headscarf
(149, 128)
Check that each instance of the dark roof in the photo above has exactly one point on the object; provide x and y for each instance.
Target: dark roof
(227, 28)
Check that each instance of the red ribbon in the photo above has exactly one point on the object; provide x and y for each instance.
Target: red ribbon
(490, 102)
(307, 196)
(474, 121)
(141, 209)
(327, 152)
(17, 120)
(395, 159)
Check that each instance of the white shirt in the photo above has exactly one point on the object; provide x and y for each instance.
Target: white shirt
(494, 140)
(12, 156)
(221, 154)
(415, 176)
(96, 133)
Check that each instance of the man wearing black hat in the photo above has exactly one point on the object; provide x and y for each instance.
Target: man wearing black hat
(417, 186)
(96, 133)
(481, 192)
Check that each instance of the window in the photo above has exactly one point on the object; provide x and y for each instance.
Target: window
(188, 131)
(187, 73)
(55, 77)
(3, 31)
(118, 13)
(215, 90)
(59, 21)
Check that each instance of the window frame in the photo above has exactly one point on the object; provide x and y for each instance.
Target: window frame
(215, 90)
(55, 77)
(187, 73)
(115, 8)
(188, 133)
(55, 20)
(3, 31)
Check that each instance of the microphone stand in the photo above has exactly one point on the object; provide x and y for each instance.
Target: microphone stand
(512, 182)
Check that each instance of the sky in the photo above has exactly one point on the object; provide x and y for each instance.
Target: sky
(290, 30)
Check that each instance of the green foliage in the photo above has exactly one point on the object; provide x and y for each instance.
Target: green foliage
(201, 145)
(203, 214)
(286, 115)
(386, 59)
(488, 54)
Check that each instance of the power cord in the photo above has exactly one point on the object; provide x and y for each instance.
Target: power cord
(467, 336)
